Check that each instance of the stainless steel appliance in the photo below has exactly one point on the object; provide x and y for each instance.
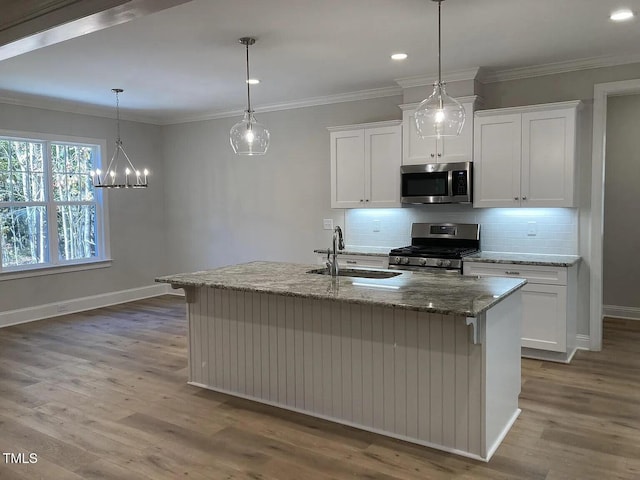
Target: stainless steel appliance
(437, 246)
(437, 183)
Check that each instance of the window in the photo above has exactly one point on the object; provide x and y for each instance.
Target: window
(50, 213)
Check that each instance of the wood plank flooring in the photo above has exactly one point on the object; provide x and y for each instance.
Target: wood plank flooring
(103, 395)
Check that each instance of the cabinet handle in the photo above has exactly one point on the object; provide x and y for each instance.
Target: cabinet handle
(515, 198)
(361, 200)
(439, 154)
(352, 262)
(432, 155)
(509, 272)
(367, 200)
(524, 198)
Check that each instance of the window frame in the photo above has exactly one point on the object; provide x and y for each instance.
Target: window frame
(54, 264)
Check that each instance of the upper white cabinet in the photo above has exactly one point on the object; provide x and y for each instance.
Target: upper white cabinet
(365, 165)
(417, 150)
(526, 156)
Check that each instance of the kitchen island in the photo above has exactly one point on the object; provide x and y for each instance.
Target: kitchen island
(429, 358)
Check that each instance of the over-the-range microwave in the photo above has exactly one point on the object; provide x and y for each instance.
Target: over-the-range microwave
(437, 183)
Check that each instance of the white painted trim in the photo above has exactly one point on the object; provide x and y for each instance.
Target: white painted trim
(431, 78)
(385, 123)
(49, 269)
(529, 108)
(503, 434)
(630, 313)
(80, 109)
(583, 342)
(307, 102)
(548, 356)
(600, 93)
(467, 99)
(558, 67)
(65, 307)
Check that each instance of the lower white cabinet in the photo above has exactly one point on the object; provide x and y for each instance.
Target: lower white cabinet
(348, 260)
(548, 306)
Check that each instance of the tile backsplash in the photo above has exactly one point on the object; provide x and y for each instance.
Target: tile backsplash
(531, 230)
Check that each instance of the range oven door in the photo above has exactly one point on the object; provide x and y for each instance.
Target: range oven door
(436, 183)
(452, 271)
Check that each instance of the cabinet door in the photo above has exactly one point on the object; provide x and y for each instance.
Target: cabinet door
(415, 149)
(383, 150)
(544, 317)
(548, 158)
(496, 166)
(460, 148)
(347, 169)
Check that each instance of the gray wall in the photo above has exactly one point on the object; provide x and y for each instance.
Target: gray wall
(136, 217)
(223, 209)
(621, 271)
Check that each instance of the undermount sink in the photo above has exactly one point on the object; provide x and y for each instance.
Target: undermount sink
(353, 272)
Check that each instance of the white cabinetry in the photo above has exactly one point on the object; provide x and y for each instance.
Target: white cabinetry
(526, 156)
(417, 150)
(548, 306)
(354, 260)
(365, 165)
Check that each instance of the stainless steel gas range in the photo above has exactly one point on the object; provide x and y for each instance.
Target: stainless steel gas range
(437, 247)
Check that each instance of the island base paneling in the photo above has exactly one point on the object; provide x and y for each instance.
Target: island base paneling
(409, 374)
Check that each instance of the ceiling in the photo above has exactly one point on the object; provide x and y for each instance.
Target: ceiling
(184, 63)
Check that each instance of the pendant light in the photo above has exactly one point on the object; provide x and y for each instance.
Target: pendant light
(116, 175)
(248, 136)
(439, 115)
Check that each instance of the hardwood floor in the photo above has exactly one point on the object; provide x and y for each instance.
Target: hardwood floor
(103, 395)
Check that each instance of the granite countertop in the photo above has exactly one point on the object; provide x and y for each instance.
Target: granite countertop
(349, 250)
(523, 258)
(423, 291)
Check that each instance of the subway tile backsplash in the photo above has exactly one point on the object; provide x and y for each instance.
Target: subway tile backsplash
(530, 230)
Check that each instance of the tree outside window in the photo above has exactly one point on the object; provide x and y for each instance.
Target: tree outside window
(49, 212)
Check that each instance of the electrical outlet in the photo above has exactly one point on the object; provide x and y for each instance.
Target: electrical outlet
(327, 223)
(532, 229)
(376, 226)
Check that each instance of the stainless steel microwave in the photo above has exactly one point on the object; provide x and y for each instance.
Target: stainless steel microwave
(437, 183)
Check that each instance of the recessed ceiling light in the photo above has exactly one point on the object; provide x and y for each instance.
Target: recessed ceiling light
(621, 15)
(253, 81)
(399, 56)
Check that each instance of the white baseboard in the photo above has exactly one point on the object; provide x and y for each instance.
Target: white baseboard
(630, 313)
(30, 314)
(583, 342)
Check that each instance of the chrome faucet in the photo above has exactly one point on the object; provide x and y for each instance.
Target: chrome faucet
(338, 242)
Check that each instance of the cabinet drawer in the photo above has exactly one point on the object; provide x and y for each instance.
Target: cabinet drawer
(533, 273)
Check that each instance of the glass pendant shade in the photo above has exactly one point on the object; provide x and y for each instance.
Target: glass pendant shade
(439, 115)
(249, 137)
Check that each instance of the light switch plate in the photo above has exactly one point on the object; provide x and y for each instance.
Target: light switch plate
(532, 229)
(376, 226)
(327, 223)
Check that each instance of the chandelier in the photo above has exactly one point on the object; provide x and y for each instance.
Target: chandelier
(115, 176)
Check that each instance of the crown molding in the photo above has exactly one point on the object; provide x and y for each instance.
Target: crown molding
(558, 67)
(307, 102)
(68, 107)
(430, 79)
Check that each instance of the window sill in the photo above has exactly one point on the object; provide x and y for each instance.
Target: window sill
(54, 270)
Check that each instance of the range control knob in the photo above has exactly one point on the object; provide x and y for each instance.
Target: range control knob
(397, 260)
(422, 261)
(444, 263)
(405, 261)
